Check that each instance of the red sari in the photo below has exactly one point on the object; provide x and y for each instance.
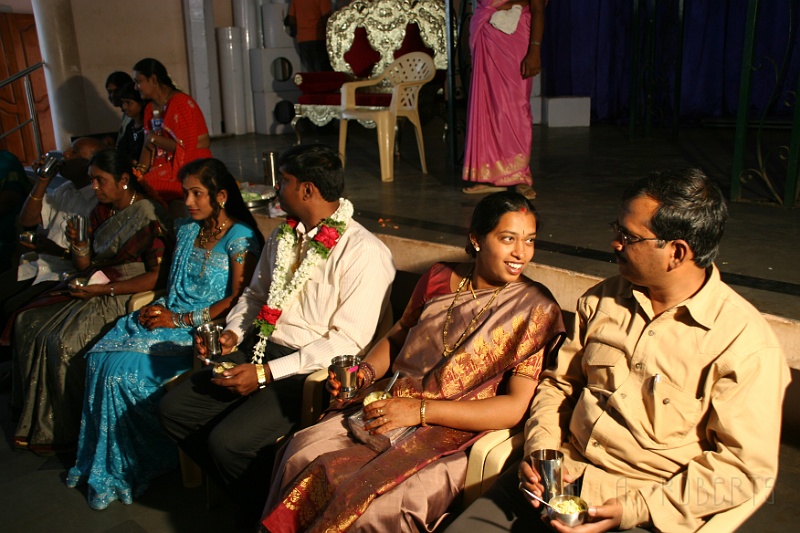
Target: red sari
(335, 489)
(183, 123)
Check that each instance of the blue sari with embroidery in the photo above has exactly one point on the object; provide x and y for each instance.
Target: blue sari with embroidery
(122, 446)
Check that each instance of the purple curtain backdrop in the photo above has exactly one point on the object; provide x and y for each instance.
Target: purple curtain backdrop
(589, 44)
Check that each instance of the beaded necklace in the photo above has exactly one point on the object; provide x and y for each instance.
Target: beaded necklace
(133, 199)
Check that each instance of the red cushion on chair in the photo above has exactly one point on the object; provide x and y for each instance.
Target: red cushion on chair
(373, 99)
(320, 99)
(361, 57)
(365, 99)
(413, 43)
(320, 82)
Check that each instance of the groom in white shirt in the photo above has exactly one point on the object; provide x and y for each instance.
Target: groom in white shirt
(320, 287)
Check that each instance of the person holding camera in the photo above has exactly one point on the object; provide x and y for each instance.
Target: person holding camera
(44, 216)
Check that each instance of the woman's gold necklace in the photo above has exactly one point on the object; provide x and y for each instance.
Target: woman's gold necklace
(202, 240)
(448, 350)
(213, 234)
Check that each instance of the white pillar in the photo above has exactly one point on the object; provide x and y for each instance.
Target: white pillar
(62, 70)
(246, 16)
(231, 66)
(202, 58)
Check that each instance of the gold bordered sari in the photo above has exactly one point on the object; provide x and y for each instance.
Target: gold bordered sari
(53, 333)
(514, 335)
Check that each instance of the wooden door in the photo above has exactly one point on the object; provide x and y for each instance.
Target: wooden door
(19, 48)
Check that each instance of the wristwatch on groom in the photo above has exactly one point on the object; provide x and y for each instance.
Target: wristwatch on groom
(262, 376)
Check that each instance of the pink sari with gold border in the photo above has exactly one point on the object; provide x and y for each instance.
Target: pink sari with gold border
(521, 327)
(499, 127)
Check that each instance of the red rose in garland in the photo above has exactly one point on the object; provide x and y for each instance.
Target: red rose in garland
(269, 314)
(327, 236)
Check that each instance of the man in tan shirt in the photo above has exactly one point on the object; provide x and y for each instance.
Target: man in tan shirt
(666, 400)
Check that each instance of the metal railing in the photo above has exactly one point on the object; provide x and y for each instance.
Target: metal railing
(777, 168)
(26, 76)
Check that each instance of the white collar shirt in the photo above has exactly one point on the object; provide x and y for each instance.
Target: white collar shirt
(336, 312)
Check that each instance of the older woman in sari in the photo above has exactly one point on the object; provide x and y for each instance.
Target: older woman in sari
(127, 236)
(469, 349)
(122, 446)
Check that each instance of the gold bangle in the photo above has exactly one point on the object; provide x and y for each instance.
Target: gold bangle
(422, 407)
(32, 197)
(536, 43)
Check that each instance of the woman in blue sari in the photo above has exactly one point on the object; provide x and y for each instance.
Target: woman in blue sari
(122, 446)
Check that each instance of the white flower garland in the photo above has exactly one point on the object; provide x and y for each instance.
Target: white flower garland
(286, 285)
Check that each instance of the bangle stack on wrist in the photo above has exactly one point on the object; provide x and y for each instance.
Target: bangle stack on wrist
(201, 317)
(80, 251)
(422, 408)
(191, 319)
(369, 373)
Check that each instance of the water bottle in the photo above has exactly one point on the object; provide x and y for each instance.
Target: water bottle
(157, 122)
(156, 125)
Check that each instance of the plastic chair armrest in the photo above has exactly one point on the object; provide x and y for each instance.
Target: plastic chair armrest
(313, 389)
(477, 460)
(140, 299)
(349, 89)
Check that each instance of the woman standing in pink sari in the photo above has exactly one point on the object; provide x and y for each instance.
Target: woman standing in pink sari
(505, 41)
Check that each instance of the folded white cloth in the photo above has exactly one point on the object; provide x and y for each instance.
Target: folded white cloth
(507, 19)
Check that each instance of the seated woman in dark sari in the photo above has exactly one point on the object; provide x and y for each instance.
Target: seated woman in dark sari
(469, 349)
(126, 238)
(122, 446)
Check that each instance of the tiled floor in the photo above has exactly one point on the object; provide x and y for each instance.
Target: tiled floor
(579, 174)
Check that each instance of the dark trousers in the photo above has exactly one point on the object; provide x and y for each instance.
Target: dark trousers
(503, 508)
(233, 437)
(314, 56)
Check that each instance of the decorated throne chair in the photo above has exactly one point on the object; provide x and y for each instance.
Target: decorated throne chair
(363, 38)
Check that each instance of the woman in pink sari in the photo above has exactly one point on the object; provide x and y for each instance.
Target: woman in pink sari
(468, 349)
(505, 41)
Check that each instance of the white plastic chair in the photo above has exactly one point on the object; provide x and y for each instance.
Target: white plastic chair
(406, 75)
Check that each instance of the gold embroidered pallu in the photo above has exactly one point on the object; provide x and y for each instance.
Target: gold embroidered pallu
(516, 332)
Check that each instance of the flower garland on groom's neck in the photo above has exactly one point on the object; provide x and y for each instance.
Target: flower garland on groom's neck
(286, 283)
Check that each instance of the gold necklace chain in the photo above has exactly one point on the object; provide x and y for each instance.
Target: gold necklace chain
(202, 238)
(448, 351)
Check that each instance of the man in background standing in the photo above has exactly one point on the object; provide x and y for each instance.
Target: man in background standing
(307, 19)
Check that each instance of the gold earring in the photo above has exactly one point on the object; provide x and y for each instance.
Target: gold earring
(222, 205)
(125, 187)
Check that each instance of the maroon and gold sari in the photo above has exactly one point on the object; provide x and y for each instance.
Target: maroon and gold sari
(520, 328)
